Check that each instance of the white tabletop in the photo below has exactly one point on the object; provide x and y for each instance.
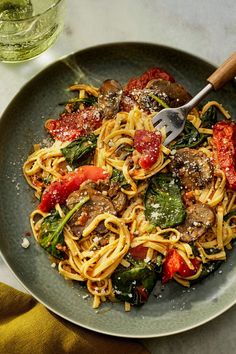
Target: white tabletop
(204, 28)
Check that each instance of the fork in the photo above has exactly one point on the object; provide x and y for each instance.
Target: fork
(173, 119)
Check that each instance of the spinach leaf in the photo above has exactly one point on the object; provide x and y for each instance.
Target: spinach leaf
(190, 137)
(212, 250)
(51, 234)
(118, 177)
(48, 228)
(231, 213)
(124, 150)
(163, 202)
(209, 118)
(207, 269)
(79, 152)
(135, 284)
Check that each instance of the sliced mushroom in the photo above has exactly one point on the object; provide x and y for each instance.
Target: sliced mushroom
(169, 93)
(119, 201)
(200, 217)
(109, 98)
(193, 167)
(97, 204)
(114, 189)
(173, 94)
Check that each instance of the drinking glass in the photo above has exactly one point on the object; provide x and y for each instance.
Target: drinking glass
(28, 27)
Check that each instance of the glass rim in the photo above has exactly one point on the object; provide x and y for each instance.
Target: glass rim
(56, 2)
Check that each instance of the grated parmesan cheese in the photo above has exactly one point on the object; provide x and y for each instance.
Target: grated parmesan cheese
(25, 243)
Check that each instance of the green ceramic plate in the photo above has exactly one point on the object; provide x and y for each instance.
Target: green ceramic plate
(176, 309)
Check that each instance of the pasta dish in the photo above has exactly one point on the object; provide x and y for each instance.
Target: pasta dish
(118, 210)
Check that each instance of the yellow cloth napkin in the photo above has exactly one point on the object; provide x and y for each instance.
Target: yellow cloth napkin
(26, 326)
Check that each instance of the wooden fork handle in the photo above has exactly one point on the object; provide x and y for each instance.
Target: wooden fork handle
(224, 73)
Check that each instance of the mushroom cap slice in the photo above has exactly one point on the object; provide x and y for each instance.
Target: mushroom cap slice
(200, 217)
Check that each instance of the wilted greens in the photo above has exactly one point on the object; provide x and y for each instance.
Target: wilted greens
(118, 177)
(191, 137)
(230, 214)
(163, 202)
(79, 152)
(134, 284)
(51, 234)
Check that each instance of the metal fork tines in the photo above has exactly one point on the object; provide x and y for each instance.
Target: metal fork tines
(173, 119)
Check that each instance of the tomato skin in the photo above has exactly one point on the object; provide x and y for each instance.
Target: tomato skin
(70, 126)
(224, 140)
(143, 294)
(138, 252)
(174, 263)
(185, 271)
(171, 265)
(148, 144)
(138, 83)
(58, 191)
(93, 173)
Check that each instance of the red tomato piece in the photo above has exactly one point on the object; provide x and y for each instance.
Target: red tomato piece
(70, 126)
(185, 271)
(148, 144)
(93, 173)
(171, 265)
(174, 263)
(138, 252)
(58, 191)
(138, 83)
(224, 140)
(143, 293)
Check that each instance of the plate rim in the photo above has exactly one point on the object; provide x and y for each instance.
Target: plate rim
(61, 59)
(167, 334)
